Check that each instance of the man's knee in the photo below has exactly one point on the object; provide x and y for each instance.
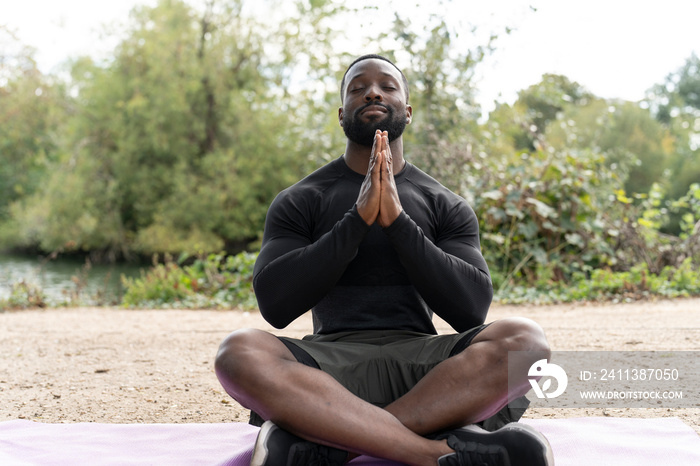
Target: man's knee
(236, 353)
(248, 353)
(516, 334)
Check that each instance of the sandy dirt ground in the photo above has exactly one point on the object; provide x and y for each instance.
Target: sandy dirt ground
(156, 366)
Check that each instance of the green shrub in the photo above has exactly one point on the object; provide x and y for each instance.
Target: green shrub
(24, 295)
(211, 282)
(604, 284)
(555, 225)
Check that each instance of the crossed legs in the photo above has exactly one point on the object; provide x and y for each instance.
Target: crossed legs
(258, 370)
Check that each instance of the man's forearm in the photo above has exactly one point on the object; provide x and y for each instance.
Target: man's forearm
(290, 281)
(456, 286)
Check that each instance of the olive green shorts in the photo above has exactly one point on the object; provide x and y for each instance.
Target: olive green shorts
(380, 366)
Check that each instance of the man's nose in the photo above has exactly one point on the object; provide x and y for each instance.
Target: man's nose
(373, 93)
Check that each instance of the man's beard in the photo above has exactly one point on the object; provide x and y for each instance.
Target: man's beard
(363, 133)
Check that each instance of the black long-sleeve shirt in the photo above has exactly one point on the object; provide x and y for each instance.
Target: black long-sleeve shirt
(318, 253)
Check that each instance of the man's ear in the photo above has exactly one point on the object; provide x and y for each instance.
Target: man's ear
(340, 115)
(409, 114)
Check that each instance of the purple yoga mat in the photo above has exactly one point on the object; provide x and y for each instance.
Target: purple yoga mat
(576, 442)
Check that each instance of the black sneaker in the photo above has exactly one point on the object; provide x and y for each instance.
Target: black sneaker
(514, 444)
(277, 447)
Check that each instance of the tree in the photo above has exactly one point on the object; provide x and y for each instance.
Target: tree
(554, 188)
(176, 145)
(31, 109)
(543, 103)
(634, 144)
(676, 104)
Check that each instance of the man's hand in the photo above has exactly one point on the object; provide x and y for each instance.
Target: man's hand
(379, 199)
(368, 199)
(389, 203)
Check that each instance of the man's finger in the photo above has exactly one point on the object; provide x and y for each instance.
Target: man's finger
(377, 144)
(386, 147)
(376, 148)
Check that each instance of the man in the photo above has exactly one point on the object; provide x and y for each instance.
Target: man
(374, 246)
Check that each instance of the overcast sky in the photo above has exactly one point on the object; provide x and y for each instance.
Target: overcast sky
(615, 48)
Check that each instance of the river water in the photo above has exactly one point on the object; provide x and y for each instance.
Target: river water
(65, 279)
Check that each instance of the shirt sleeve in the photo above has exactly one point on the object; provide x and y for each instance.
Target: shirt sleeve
(451, 275)
(292, 272)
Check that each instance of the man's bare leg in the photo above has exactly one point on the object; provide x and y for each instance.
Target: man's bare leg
(472, 385)
(260, 372)
(313, 405)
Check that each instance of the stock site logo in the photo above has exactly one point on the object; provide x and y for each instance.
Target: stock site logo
(545, 372)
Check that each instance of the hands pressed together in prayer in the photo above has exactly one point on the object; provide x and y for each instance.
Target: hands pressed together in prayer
(379, 199)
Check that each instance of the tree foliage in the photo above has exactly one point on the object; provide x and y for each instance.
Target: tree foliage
(31, 107)
(175, 145)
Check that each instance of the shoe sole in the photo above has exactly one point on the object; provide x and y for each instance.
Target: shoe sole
(523, 428)
(260, 451)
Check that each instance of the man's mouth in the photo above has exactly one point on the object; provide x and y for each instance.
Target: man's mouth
(373, 109)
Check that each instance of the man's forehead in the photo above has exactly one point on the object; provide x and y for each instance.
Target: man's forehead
(373, 64)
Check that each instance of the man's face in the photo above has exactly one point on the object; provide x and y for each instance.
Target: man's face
(374, 98)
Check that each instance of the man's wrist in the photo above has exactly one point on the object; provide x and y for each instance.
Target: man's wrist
(401, 219)
(357, 218)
